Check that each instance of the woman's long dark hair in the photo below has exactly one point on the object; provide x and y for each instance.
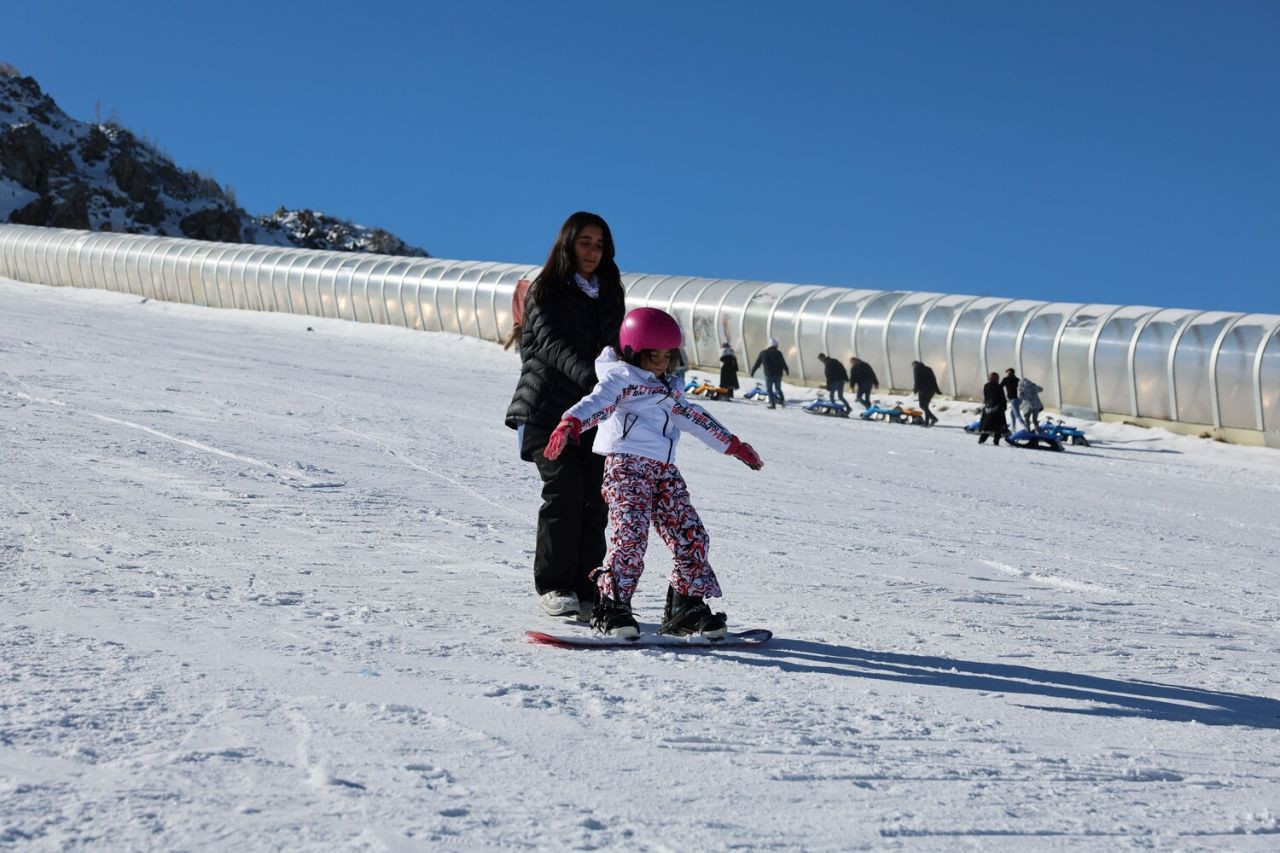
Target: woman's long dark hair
(562, 263)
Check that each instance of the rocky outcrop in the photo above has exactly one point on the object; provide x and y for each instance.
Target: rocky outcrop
(29, 159)
(217, 224)
(56, 171)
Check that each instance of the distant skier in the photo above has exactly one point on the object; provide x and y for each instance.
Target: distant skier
(641, 412)
(1029, 394)
(774, 366)
(992, 423)
(728, 370)
(926, 386)
(836, 376)
(862, 379)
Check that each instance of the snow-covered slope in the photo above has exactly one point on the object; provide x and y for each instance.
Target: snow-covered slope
(60, 172)
(265, 579)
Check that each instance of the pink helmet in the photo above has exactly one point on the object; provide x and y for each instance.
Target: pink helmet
(648, 328)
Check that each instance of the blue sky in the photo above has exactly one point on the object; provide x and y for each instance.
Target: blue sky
(1118, 152)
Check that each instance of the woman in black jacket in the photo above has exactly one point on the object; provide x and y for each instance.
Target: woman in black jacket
(574, 310)
(728, 370)
(992, 422)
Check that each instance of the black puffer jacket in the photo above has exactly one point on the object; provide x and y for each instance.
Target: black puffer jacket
(773, 362)
(560, 339)
(864, 374)
(925, 380)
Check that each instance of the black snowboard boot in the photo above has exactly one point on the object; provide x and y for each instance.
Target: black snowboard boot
(614, 618)
(688, 614)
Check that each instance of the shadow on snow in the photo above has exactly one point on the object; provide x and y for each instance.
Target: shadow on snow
(1109, 697)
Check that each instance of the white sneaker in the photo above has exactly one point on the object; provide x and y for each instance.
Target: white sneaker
(559, 602)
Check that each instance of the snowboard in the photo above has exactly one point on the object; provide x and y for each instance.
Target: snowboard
(733, 640)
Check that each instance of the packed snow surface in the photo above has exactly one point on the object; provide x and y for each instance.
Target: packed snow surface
(266, 579)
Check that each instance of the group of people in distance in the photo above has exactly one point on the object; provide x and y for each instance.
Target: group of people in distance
(1019, 397)
(860, 377)
(599, 411)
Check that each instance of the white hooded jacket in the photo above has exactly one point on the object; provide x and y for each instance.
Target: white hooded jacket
(640, 414)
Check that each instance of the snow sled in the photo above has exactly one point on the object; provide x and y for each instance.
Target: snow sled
(706, 389)
(894, 414)
(1052, 434)
(757, 393)
(826, 407)
(1039, 439)
(1063, 432)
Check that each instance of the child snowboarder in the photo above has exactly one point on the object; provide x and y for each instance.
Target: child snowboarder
(641, 411)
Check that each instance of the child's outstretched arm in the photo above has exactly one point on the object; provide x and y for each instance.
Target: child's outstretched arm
(690, 417)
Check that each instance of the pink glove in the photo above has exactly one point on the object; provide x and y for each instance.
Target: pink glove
(568, 430)
(745, 452)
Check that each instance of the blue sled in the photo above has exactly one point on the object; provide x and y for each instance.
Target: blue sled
(892, 414)
(1050, 431)
(1035, 440)
(1063, 432)
(826, 407)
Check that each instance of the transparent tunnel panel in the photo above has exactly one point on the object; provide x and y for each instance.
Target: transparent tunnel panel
(968, 364)
(869, 342)
(708, 331)
(730, 319)
(755, 319)
(935, 345)
(814, 324)
(1115, 382)
(1237, 398)
(679, 304)
(1038, 349)
(1151, 362)
(1270, 373)
(1074, 378)
(785, 327)
(1002, 336)
(902, 328)
(1191, 365)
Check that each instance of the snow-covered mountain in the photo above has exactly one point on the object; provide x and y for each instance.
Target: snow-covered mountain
(60, 172)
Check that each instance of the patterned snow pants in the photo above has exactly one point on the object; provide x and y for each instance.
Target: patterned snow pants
(638, 490)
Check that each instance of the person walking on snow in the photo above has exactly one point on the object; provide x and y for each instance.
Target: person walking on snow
(862, 378)
(728, 370)
(774, 366)
(926, 385)
(1010, 386)
(641, 413)
(992, 423)
(574, 308)
(836, 376)
(1029, 394)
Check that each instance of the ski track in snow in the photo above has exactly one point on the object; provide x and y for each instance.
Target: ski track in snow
(266, 587)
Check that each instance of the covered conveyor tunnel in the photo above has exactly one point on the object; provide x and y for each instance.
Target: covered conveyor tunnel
(1192, 371)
